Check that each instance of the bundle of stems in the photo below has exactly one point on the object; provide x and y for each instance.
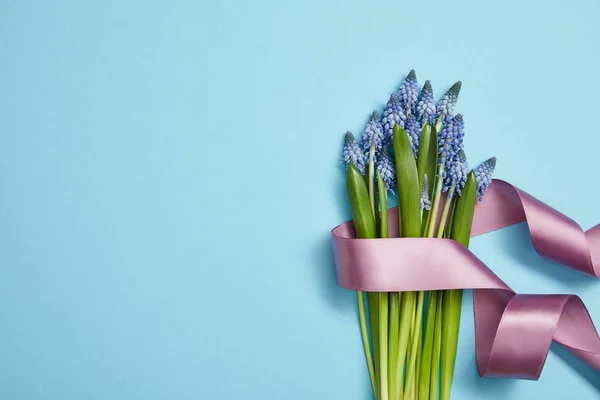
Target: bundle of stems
(411, 338)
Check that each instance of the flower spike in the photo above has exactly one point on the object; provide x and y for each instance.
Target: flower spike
(353, 153)
(448, 101)
(373, 134)
(483, 176)
(451, 137)
(413, 130)
(457, 172)
(409, 91)
(387, 169)
(426, 106)
(393, 114)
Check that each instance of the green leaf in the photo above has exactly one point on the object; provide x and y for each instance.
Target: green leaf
(383, 223)
(430, 170)
(394, 323)
(360, 204)
(423, 154)
(463, 213)
(409, 194)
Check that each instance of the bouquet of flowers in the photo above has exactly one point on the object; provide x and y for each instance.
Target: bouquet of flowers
(416, 149)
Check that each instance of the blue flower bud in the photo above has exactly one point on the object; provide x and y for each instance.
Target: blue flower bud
(409, 91)
(425, 202)
(373, 134)
(387, 169)
(451, 137)
(413, 130)
(393, 114)
(426, 106)
(483, 176)
(447, 103)
(456, 173)
(353, 153)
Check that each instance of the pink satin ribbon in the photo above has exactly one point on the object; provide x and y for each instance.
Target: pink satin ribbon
(513, 332)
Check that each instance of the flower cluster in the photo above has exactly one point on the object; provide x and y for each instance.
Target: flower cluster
(451, 137)
(483, 176)
(392, 115)
(426, 106)
(413, 130)
(456, 175)
(411, 110)
(447, 103)
(387, 169)
(409, 92)
(353, 153)
(373, 134)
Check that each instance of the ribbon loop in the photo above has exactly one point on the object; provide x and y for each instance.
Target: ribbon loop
(513, 332)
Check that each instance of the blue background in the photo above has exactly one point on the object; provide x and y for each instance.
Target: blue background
(169, 174)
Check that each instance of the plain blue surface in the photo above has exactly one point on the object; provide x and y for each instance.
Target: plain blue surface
(169, 174)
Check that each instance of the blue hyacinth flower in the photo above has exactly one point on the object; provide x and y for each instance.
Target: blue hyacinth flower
(387, 169)
(392, 114)
(448, 102)
(426, 106)
(451, 137)
(353, 153)
(456, 173)
(409, 92)
(413, 130)
(483, 176)
(373, 134)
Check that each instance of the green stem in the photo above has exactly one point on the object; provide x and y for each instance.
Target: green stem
(425, 367)
(406, 318)
(408, 393)
(452, 301)
(437, 345)
(418, 367)
(440, 232)
(383, 233)
(417, 327)
(436, 199)
(372, 178)
(373, 297)
(365, 338)
(383, 299)
(383, 345)
(373, 304)
(423, 153)
(394, 324)
(394, 307)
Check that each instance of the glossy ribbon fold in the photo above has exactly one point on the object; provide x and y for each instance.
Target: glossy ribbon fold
(513, 332)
